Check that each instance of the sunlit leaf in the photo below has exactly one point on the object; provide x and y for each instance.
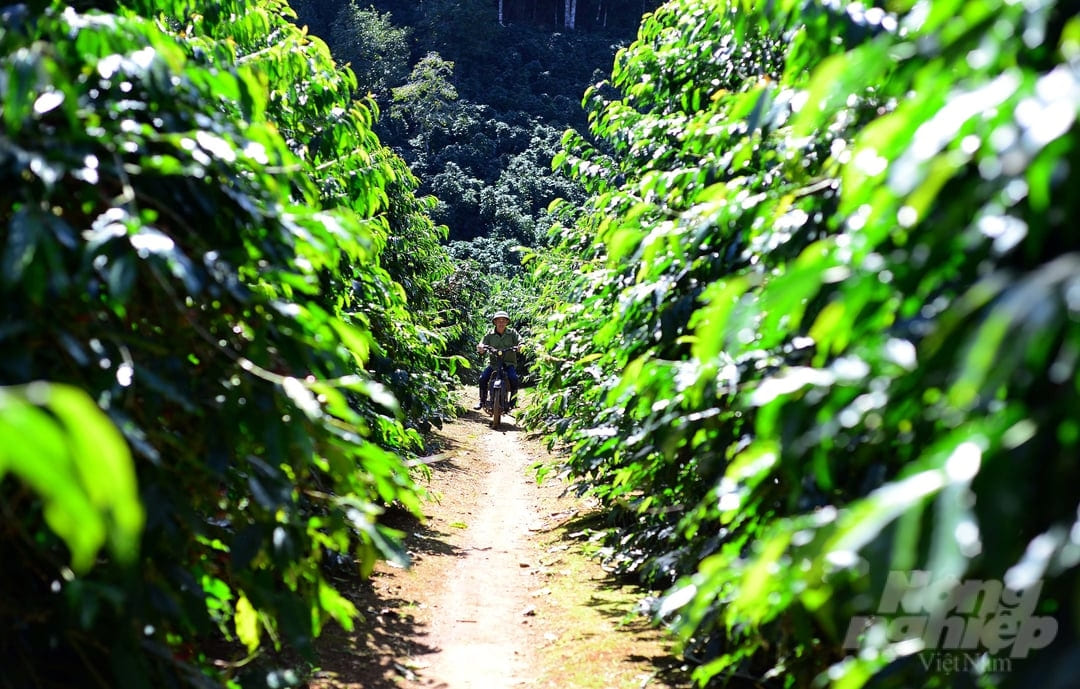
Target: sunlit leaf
(246, 620)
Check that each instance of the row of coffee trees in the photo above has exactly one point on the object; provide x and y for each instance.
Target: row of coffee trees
(815, 347)
(216, 286)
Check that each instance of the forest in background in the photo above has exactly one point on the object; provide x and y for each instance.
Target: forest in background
(802, 285)
(478, 111)
(475, 108)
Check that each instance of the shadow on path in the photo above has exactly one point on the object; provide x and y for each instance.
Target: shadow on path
(388, 631)
(508, 423)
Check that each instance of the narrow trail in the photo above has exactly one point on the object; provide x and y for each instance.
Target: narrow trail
(478, 629)
(498, 596)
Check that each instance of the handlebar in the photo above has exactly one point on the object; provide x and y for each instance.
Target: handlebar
(493, 350)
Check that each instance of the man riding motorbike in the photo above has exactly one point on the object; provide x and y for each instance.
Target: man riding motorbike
(501, 337)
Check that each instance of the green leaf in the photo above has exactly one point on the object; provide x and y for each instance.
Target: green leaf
(357, 340)
(624, 242)
(21, 90)
(22, 238)
(246, 620)
(104, 466)
(711, 333)
(39, 451)
(339, 607)
(835, 80)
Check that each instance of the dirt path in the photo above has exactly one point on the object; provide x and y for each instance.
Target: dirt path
(498, 595)
(478, 631)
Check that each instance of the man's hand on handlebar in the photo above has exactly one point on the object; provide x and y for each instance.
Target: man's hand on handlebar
(487, 348)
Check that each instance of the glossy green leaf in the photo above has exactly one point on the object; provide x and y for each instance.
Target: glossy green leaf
(247, 623)
(71, 458)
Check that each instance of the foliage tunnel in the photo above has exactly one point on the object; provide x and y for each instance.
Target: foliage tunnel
(818, 333)
(209, 319)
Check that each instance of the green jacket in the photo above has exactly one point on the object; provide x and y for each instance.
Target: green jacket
(509, 338)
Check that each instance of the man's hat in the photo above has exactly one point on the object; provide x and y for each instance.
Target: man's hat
(500, 314)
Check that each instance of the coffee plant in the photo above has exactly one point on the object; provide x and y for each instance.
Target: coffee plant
(219, 339)
(818, 325)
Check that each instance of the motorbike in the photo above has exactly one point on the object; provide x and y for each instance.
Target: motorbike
(498, 392)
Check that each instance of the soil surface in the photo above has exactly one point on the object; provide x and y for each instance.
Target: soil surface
(501, 592)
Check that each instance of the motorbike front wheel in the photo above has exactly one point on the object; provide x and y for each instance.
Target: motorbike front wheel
(497, 407)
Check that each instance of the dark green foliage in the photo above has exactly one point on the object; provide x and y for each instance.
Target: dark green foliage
(425, 103)
(203, 249)
(481, 113)
(413, 320)
(482, 110)
(318, 16)
(477, 119)
(821, 322)
(371, 45)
